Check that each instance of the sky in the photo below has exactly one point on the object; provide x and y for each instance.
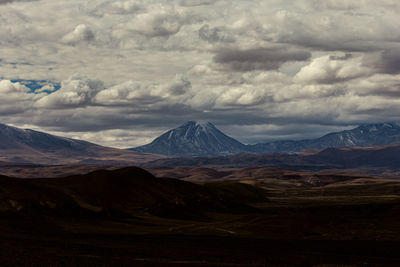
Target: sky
(120, 73)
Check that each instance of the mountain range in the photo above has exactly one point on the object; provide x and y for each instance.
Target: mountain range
(29, 146)
(364, 136)
(367, 145)
(193, 139)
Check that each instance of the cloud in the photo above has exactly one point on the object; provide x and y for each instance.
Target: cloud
(197, 2)
(125, 7)
(259, 58)
(242, 96)
(157, 22)
(7, 87)
(136, 94)
(178, 86)
(3, 2)
(77, 91)
(337, 4)
(332, 69)
(379, 85)
(128, 93)
(14, 98)
(328, 30)
(215, 34)
(388, 62)
(81, 34)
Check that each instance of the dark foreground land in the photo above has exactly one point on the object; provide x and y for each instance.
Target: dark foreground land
(128, 217)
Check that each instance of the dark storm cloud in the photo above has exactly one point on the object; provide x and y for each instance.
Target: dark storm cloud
(390, 61)
(259, 58)
(386, 61)
(326, 44)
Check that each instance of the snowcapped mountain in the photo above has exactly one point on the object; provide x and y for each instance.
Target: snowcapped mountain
(29, 146)
(365, 135)
(193, 139)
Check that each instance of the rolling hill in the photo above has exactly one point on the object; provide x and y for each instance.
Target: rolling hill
(120, 193)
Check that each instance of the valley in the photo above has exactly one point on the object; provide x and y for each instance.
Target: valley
(252, 217)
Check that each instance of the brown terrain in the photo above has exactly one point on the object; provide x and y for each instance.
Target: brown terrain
(91, 155)
(377, 160)
(223, 217)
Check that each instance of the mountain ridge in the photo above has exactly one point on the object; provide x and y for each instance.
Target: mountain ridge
(376, 134)
(191, 139)
(194, 139)
(30, 146)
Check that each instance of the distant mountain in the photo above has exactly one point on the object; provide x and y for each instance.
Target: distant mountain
(193, 139)
(376, 160)
(29, 146)
(364, 136)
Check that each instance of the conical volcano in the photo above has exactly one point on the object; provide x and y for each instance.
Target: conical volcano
(193, 139)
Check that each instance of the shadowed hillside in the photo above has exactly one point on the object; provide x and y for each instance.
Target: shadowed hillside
(125, 192)
(250, 217)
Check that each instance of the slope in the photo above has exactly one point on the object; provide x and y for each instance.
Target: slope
(363, 136)
(193, 139)
(29, 146)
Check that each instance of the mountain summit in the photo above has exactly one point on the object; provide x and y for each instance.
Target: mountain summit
(193, 139)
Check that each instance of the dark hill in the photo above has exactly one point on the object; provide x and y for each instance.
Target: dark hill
(122, 193)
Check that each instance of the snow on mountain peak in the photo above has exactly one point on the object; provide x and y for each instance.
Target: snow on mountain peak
(193, 138)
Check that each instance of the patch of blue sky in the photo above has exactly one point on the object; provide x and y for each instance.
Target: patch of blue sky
(39, 86)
